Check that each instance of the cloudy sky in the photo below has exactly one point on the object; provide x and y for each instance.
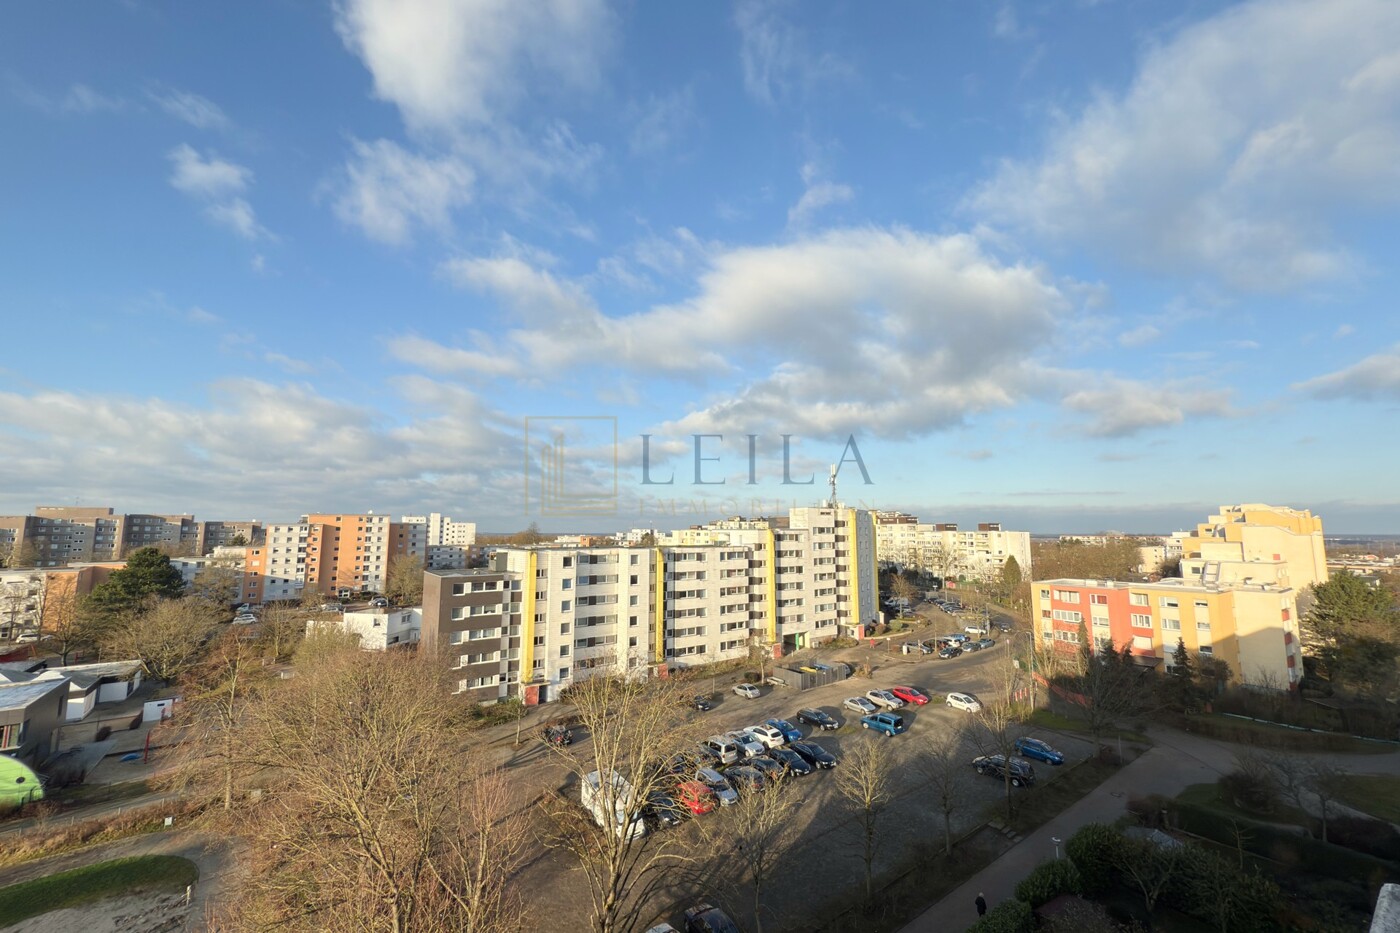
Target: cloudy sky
(1063, 263)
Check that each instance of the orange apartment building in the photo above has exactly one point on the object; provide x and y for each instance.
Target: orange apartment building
(326, 553)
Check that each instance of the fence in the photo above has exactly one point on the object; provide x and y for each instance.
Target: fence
(815, 677)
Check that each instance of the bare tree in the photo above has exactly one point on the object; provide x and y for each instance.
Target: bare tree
(863, 781)
(997, 725)
(761, 830)
(1150, 866)
(62, 620)
(376, 818)
(1324, 780)
(633, 726)
(946, 769)
(280, 630)
(404, 585)
(166, 636)
(1108, 686)
(901, 587)
(217, 584)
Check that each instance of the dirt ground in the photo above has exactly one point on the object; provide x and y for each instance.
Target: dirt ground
(164, 913)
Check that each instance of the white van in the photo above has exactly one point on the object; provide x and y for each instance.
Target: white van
(595, 797)
(725, 748)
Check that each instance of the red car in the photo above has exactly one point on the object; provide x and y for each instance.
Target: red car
(695, 797)
(910, 695)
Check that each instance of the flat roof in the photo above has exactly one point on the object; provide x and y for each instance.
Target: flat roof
(21, 696)
(1167, 583)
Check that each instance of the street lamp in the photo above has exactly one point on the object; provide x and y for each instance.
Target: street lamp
(1056, 840)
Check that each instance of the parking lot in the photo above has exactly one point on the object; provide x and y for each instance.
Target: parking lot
(813, 875)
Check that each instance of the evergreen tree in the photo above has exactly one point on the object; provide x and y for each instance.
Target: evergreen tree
(148, 573)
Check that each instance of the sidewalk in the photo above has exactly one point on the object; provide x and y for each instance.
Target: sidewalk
(1176, 761)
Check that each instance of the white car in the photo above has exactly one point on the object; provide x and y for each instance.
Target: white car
(768, 735)
(860, 705)
(28, 637)
(975, 629)
(964, 701)
(749, 746)
(748, 691)
(885, 699)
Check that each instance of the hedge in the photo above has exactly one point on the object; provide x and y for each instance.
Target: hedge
(1094, 849)
(1048, 881)
(1013, 916)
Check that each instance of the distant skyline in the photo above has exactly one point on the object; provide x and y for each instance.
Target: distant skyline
(1064, 264)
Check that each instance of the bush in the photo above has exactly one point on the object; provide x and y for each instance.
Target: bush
(102, 734)
(1049, 881)
(751, 677)
(1373, 837)
(1094, 850)
(135, 722)
(1250, 790)
(1216, 891)
(1013, 916)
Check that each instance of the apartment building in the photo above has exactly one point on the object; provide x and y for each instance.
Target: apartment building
(33, 598)
(378, 629)
(942, 548)
(58, 535)
(473, 619)
(583, 609)
(1253, 627)
(440, 542)
(1256, 543)
(214, 535)
(330, 554)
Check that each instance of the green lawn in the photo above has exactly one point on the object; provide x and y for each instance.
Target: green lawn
(1039, 804)
(1048, 719)
(93, 883)
(1209, 795)
(1376, 794)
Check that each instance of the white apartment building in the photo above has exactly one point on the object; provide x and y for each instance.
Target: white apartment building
(948, 551)
(585, 609)
(441, 542)
(379, 629)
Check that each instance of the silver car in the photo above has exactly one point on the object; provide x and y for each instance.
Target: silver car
(719, 785)
(860, 705)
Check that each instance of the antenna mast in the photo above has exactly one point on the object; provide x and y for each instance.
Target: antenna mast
(833, 485)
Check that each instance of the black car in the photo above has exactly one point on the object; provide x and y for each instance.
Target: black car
(682, 764)
(949, 651)
(661, 810)
(1022, 774)
(790, 760)
(814, 754)
(771, 769)
(815, 717)
(746, 778)
(704, 703)
(707, 918)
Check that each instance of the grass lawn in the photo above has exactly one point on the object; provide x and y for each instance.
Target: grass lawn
(1039, 804)
(1376, 794)
(1049, 719)
(1229, 728)
(93, 883)
(1210, 796)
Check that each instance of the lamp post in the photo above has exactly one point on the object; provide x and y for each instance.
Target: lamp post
(1056, 840)
(1031, 636)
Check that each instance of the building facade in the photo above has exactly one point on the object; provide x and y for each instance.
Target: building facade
(437, 540)
(945, 550)
(378, 629)
(1256, 543)
(328, 554)
(472, 619)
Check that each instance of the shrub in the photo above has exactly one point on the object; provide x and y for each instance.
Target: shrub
(135, 722)
(1049, 881)
(1250, 790)
(1214, 890)
(102, 734)
(1373, 837)
(1013, 916)
(751, 677)
(1094, 850)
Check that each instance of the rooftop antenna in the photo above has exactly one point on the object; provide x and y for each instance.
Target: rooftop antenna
(832, 480)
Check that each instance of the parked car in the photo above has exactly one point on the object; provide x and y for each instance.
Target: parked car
(379, 602)
(332, 607)
(984, 643)
(790, 760)
(746, 778)
(975, 629)
(769, 768)
(31, 637)
(661, 810)
(1022, 774)
(859, 705)
(884, 699)
(964, 701)
(662, 927)
(769, 736)
(912, 695)
(703, 703)
(558, 735)
(748, 745)
(724, 748)
(683, 764)
(815, 717)
(747, 691)
(973, 646)
(1027, 747)
(820, 666)
(886, 722)
(814, 754)
(718, 784)
(707, 918)
(926, 648)
(789, 732)
(695, 797)
(949, 651)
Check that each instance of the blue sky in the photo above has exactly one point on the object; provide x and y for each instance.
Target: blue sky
(1064, 264)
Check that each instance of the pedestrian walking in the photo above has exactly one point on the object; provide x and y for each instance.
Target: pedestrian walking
(981, 906)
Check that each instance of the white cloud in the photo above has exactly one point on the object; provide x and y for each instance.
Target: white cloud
(290, 364)
(1343, 330)
(388, 189)
(1122, 407)
(198, 315)
(774, 54)
(257, 448)
(83, 99)
(220, 184)
(659, 123)
(1139, 336)
(1375, 377)
(1237, 144)
(199, 112)
(450, 63)
(818, 194)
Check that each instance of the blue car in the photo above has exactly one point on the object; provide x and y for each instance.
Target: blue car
(790, 732)
(1035, 748)
(888, 723)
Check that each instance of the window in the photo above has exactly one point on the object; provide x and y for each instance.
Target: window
(567, 583)
(1202, 606)
(1142, 642)
(565, 606)
(1168, 602)
(1207, 650)
(633, 560)
(1171, 625)
(1137, 599)
(631, 600)
(1098, 599)
(634, 579)
(563, 651)
(1068, 615)
(1067, 596)
(1140, 620)
(568, 562)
